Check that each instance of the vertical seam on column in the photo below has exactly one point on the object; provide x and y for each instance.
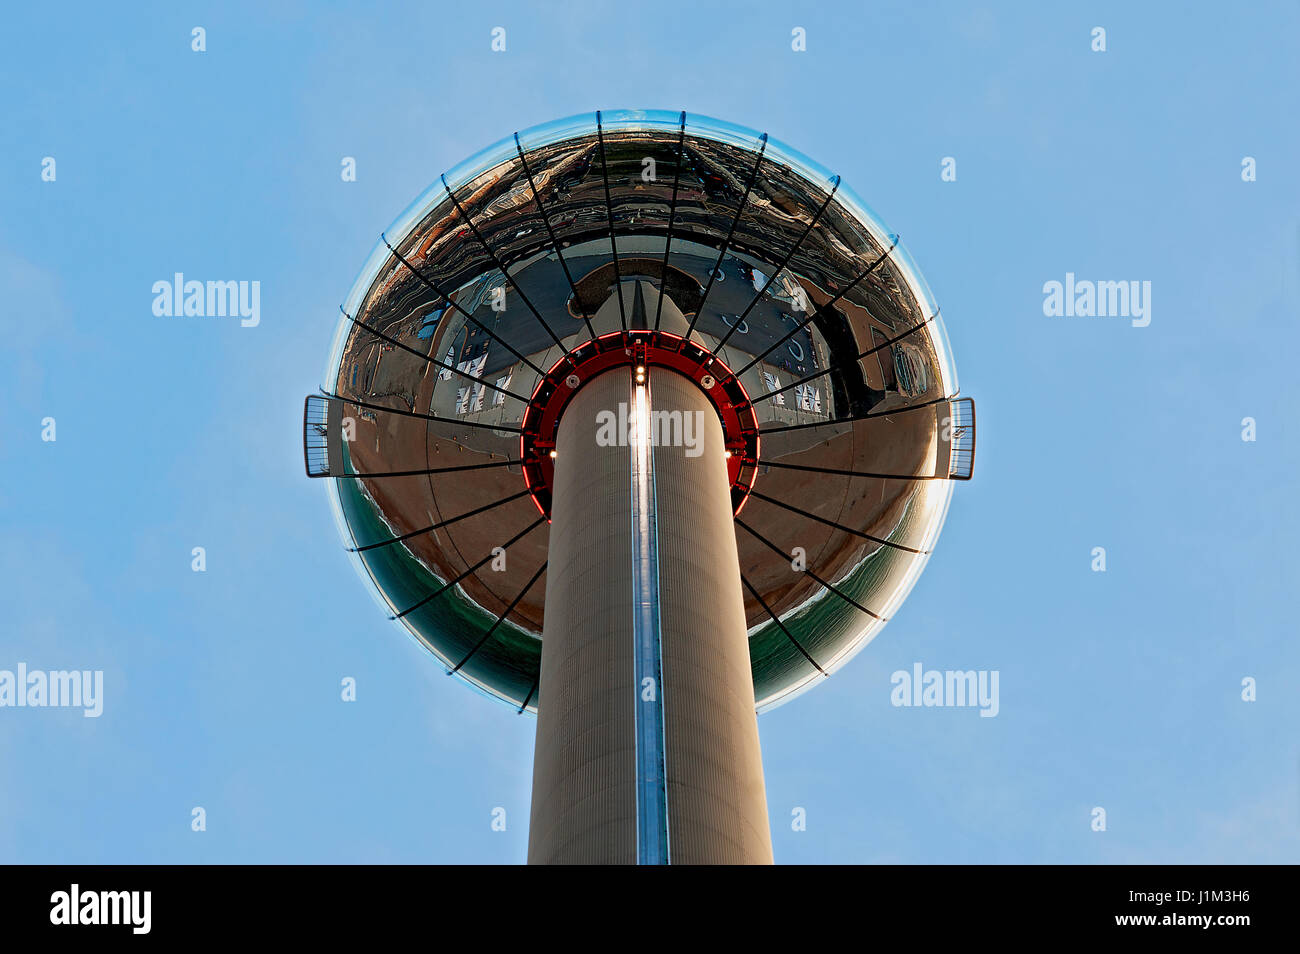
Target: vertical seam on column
(661, 718)
(651, 780)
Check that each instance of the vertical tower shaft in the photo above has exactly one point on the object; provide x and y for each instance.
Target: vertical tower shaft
(647, 743)
(717, 805)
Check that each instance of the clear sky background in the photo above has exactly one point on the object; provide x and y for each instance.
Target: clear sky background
(1119, 689)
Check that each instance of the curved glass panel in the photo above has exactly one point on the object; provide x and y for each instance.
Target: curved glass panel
(483, 161)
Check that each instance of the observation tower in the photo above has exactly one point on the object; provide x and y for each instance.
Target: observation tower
(642, 423)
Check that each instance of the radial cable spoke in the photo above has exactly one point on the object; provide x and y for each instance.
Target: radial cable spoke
(500, 619)
(780, 625)
(500, 265)
(446, 586)
(455, 304)
(432, 360)
(529, 698)
(609, 209)
(836, 365)
(555, 242)
(432, 470)
(717, 266)
(785, 556)
(777, 271)
(672, 215)
(852, 473)
(442, 523)
(820, 309)
(871, 415)
(832, 523)
(424, 417)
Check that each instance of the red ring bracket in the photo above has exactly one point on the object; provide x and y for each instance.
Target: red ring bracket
(657, 349)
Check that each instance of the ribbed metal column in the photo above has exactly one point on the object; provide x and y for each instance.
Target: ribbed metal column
(717, 805)
(626, 524)
(584, 761)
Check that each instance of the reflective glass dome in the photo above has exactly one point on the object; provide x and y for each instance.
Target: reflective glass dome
(766, 260)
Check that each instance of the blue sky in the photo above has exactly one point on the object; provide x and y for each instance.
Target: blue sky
(1119, 689)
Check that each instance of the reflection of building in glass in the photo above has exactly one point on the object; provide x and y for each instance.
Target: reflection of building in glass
(549, 281)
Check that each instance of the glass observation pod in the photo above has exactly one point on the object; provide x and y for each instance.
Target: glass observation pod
(836, 367)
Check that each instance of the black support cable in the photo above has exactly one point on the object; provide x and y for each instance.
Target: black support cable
(423, 417)
(430, 470)
(446, 586)
(854, 473)
(501, 267)
(812, 316)
(500, 619)
(609, 209)
(740, 209)
(455, 304)
(672, 215)
(784, 262)
(529, 698)
(835, 365)
(870, 415)
(432, 360)
(831, 523)
(780, 625)
(555, 242)
(785, 556)
(441, 523)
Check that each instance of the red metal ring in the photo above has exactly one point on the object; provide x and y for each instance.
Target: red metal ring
(631, 348)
